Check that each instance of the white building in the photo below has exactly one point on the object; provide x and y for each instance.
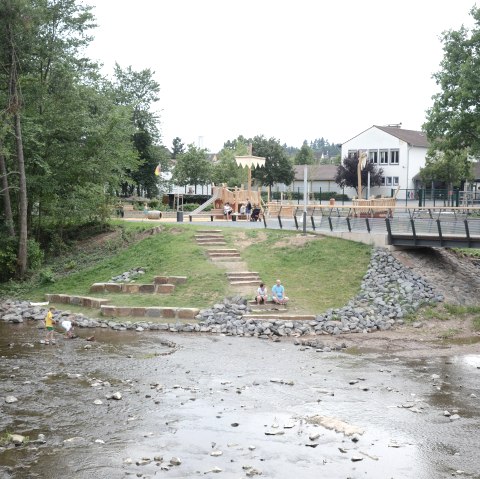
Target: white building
(399, 153)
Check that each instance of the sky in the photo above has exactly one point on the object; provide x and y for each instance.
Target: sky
(293, 70)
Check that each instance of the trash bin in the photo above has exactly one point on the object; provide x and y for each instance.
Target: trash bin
(179, 216)
(234, 217)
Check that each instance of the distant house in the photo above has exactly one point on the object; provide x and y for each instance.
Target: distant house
(400, 153)
(320, 178)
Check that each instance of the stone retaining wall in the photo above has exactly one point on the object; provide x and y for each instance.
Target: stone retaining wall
(149, 312)
(85, 301)
(160, 285)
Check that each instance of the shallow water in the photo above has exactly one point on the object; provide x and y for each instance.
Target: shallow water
(211, 383)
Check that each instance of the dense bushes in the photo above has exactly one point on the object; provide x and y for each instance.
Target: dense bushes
(8, 257)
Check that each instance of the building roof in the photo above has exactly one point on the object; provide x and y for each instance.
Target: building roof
(316, 172)
(412, 137)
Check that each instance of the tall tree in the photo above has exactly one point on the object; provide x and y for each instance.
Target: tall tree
(278, 168)
(450, 167)
(64, 137)
(304, 156)
(193, 167)
(347, 174)
(177, 148)
(13, 34)
(226, 169)
(453, 122)
(140, 91)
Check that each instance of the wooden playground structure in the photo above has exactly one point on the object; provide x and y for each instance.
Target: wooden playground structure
(237, 197)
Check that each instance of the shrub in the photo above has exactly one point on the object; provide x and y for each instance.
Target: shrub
(8, 257)
(47, 276)
(190, 206)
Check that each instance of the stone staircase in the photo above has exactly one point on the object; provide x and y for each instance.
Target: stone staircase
(217, 254)
(243, 278)
(210, 238)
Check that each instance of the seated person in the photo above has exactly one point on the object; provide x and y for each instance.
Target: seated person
(262, 296)
(242, 210)
(227, 210)
(278, 293)
(255, 216)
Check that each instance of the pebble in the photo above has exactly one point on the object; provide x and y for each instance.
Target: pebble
(17, 439)
(10, 399)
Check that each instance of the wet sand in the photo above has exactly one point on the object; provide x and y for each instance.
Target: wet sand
(233, 396)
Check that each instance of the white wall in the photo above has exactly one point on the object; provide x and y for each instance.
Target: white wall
(411, 159)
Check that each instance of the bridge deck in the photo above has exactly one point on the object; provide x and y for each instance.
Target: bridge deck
(419, 226)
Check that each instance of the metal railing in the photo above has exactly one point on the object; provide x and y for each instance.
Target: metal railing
(433, 226)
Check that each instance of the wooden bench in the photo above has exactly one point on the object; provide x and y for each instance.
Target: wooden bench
(215, 213)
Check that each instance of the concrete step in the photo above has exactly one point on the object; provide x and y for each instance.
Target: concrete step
(268, 310)
(210, 240)
(211, 243)
(253, 282)
(224, 255)
(249, 277)
(226, 258)
(209, 232)
(241, 273)
(208, 237)
(222, 250)
(284, 316)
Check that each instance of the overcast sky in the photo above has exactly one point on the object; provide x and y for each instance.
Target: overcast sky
(289, 69)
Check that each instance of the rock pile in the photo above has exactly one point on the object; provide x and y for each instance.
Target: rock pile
(128, 276)
(389, 292)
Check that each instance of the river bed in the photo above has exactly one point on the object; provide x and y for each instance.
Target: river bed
(231, 407)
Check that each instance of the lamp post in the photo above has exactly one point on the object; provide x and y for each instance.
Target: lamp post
(305, 198)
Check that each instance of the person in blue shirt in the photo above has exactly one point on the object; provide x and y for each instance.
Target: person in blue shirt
(278, 293)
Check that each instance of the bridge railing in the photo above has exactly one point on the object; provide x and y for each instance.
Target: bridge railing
(434, 224)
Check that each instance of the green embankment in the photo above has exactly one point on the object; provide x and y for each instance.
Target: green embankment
(317, 274)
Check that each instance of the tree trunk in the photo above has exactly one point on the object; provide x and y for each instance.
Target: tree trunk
(22, 213)
(7, 206)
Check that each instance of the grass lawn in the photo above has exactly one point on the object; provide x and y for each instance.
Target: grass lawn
(317, 274)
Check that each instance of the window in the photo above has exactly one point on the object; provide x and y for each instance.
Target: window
(382, 181)
(373, 156)
(384, 157)
(395, 181)
(352, 153)
(394, 157)
(388, 181)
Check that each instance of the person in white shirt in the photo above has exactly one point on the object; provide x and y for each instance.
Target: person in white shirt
(261, 294)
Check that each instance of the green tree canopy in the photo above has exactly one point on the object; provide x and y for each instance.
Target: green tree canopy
(226, 171)
(453, 122)
(65, 132)
(450, 167)
(177, 147)
(139, 91)
(193, 167)
(305, 155)
(278, 168)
